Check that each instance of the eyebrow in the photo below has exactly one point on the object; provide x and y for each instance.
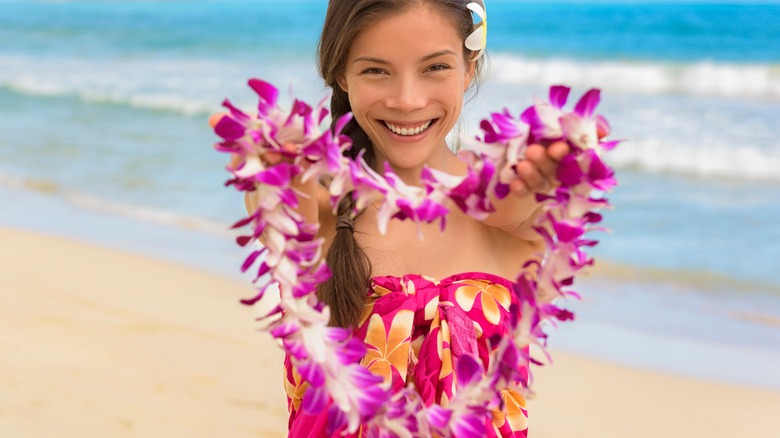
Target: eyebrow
(423, 59)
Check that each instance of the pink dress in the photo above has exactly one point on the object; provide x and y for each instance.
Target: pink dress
(415, 328)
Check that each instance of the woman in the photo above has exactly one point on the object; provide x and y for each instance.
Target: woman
(402, 68)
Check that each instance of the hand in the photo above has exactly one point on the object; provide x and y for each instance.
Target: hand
(537, 173)
(215, 118)
(269, 158)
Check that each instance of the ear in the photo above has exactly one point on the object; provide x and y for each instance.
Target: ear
(471, 68)
(342, 81)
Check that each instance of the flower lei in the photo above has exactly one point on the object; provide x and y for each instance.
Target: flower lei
(328, 357)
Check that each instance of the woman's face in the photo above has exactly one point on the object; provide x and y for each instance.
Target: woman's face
(406, 76)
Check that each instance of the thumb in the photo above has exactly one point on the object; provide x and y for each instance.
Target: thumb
(215, 118)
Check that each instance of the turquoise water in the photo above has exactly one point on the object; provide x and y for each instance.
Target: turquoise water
(103, 109)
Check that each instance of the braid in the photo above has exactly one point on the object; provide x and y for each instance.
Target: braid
(345, 291)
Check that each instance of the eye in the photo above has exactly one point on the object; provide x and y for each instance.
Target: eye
(439, 67)
(372, 71)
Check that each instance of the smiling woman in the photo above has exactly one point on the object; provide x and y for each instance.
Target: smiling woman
(407, 96)
(402, 67)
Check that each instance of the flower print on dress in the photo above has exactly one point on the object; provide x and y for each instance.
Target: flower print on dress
(491, 295)
(295, 388)
(388, 350)
(514, 413)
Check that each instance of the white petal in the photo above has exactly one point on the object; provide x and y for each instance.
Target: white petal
(476, 41)
(252, 166)
(479, 10)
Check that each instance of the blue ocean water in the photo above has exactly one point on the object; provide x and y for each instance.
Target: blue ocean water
(103, 108)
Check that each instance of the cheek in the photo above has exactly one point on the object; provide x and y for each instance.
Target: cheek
(360, 101)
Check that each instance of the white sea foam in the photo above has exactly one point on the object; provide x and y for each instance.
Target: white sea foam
(702, 78)
(136, 212)
(148, 214)
(196, 86)
(703, 160)
(189, 87)
(667, 134)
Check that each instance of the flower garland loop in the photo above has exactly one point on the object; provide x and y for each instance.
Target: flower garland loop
(275, 146)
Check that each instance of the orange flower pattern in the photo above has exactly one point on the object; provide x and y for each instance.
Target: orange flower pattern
(491, 296)
(414, 329)
(388, 350)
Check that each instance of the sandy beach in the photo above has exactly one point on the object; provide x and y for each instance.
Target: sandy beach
(101, 343)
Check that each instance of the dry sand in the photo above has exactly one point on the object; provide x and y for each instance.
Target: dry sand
(100, 343)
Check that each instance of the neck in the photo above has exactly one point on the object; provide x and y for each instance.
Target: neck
(445, 161)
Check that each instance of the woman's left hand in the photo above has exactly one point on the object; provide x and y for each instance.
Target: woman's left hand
(537, 173)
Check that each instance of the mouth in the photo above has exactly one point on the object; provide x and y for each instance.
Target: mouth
(408, 130)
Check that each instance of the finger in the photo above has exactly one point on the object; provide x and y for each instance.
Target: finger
(235, 161)
(215, 118)
(272, 157)
(532, 177)
(540, 158)
(518, 187)
(558, 150)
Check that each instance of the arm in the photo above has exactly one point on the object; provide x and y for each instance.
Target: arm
(311, 195)
(516, 213)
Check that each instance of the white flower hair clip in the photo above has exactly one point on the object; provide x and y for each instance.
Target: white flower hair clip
(478, 39)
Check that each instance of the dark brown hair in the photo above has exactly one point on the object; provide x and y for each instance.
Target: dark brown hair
(345, 291)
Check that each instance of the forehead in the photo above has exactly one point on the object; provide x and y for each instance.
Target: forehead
(413, 33)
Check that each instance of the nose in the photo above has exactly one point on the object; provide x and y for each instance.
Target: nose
(407, 94)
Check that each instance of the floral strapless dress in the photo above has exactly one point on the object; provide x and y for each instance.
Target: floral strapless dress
(415, 328)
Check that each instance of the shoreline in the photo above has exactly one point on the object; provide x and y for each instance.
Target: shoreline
(106, 343)
(612, 321)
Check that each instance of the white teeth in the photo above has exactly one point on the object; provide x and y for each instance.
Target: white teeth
(408, 131)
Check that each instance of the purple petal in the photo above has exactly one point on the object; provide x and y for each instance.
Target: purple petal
(469, 369)
(229, 129)
(237, 114)
(278, 175)
(244, 240)
(468, 426)
(371, 400)
(609, 145)
(284, 329)
(337, 419)
(353, 351)
(262, 270)
(315, 399)
(569, 172)
(342, 122)
(600, 175)
(251, 259)
(295, 348)
(588, 102)
(567, 232)
(438, 416)
(362, 377)
(558, 95)
(268, 95)
(311, 372)
(253, 300)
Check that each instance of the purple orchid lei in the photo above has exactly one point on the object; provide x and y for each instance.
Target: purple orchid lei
(328, 357)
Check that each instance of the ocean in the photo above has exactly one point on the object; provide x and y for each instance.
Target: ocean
(103, 133)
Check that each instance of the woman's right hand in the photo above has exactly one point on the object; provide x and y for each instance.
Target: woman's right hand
(312, 197)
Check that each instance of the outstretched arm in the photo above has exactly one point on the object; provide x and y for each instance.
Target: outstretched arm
(310, 194)
(537, 173)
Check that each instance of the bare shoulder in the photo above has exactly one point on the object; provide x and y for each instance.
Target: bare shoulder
(512, 251)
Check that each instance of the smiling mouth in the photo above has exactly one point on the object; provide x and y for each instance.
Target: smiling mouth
(409, 130)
